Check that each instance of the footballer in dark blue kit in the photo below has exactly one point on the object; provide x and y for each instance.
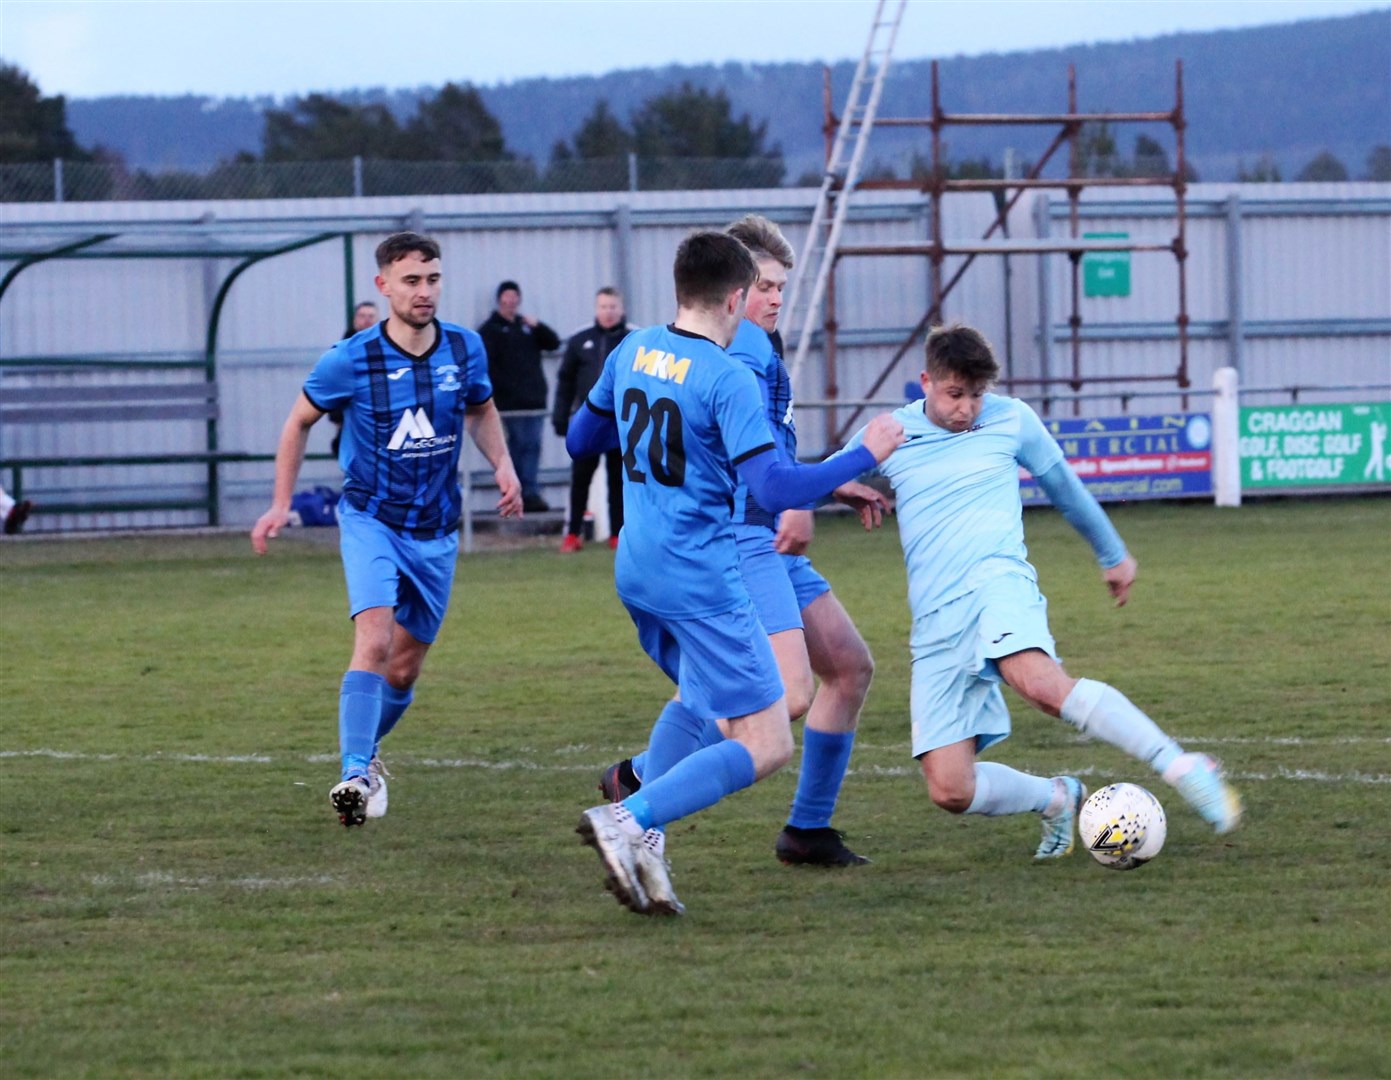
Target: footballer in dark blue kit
(410, 389)
(690, 422)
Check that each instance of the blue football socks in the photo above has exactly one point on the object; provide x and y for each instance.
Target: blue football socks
(710, 735)
(695, 782)
(394, 703)
(675, 735)
(825, 756)
(359, 713)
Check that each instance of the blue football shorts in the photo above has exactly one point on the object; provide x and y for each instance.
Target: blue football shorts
(723, 664)
(956, 691)
(385, 568)
(780, 586)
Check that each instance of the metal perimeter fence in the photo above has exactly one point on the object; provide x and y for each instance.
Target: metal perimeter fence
(72, 181)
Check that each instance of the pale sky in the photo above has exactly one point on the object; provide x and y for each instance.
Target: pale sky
(238, 48)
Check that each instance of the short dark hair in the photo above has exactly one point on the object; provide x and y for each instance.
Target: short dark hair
(709, 266)
(608, 290)
(503, 286)
(399, 245)
(365, 303)
(961, 350)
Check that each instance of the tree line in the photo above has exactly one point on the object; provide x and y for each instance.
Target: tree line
(456, 144)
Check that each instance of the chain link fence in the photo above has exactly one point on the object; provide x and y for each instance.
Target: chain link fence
(69, 181)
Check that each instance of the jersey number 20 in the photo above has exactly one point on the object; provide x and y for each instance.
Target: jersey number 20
(666, 449)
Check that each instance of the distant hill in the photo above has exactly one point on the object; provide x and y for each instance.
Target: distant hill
(1288, 91)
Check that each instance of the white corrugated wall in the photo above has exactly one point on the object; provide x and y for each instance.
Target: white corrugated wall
(1321, 268)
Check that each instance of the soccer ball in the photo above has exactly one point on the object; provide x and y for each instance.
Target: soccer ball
(1123, 826)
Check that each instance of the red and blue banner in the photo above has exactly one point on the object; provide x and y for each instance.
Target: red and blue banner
(1133, 457)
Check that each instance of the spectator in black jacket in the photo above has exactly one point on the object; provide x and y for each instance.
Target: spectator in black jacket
(584, 360)
(515, 343)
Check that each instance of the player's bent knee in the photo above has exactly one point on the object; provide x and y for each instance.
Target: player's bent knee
(950, 799)
(769, 755)
(799, 699)
(952, 792)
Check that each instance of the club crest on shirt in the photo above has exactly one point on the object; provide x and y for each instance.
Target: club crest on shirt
(448, 374)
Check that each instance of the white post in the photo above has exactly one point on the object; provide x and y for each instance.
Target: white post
(599, 502)
(1226, 438)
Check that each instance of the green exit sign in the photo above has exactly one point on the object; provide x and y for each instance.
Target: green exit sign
(1106, 273)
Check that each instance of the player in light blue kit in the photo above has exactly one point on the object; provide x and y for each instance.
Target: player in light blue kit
(978, 617)
(409, 388)
(806, 624)
(689, 419)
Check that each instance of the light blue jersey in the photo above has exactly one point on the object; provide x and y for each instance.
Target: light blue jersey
(959, 513)
(687, 414)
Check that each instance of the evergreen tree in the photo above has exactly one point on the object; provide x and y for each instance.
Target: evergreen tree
(1323, 167)
(1265, 171)
(454, 125)
(321, 128)
(690, 123)
(33, 127)
(1379, 163)
(602, 135)
(1151, 159)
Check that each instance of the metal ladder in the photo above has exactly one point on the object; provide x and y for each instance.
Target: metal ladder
(828, 218)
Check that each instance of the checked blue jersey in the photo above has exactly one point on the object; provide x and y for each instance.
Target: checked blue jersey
(687, 413)
(960, 516)
(403, 423)
(761, 353)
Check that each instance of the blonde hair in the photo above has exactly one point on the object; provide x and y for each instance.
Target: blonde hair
(763, 239)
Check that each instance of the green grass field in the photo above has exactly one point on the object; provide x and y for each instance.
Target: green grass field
(179, 901)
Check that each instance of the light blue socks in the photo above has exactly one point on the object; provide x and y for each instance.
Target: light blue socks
(1001, 790)
(1094, 708)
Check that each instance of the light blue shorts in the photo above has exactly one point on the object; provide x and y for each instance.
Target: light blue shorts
(956, 691)
(385, 568)
(780, 586)
(722, 663)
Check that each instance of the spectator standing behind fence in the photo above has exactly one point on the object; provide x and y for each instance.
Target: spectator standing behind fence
(579, 371)
(15, 514)
(515, 343)
(364, 318)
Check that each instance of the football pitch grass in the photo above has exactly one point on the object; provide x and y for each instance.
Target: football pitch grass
(179, 900)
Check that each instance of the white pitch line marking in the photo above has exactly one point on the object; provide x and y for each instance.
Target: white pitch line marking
(1282, 773)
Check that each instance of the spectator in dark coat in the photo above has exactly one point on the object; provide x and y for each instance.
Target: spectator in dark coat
(584, 359)
(515, 343)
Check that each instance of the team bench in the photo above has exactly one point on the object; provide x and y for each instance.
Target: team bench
(64, 409)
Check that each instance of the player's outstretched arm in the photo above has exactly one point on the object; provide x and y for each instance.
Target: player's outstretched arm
(289, 458)
(779, 484)
(484, 427)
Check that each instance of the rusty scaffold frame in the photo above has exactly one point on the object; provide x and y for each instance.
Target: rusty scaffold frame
(1008, 192)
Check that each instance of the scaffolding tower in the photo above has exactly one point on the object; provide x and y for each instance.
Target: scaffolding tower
(1008, 191)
